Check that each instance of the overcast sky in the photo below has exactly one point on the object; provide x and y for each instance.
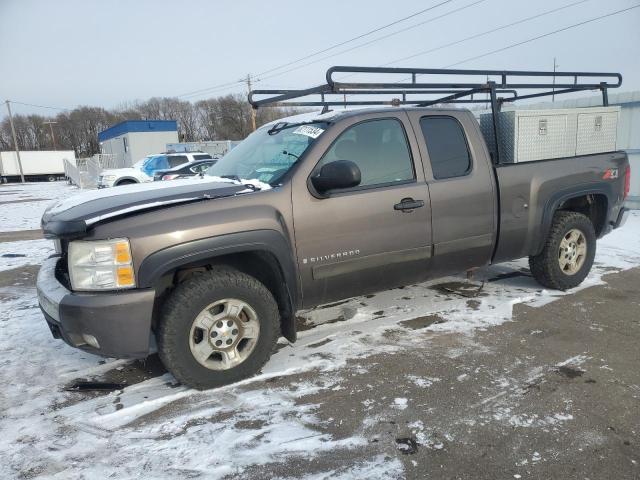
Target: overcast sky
(66, 53)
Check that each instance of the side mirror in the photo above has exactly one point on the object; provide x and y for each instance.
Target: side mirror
(337, 174)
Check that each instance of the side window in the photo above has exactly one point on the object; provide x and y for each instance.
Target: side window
(379, 148)
(447, 146)
(200, 167)
(201, 156)
(176, 160)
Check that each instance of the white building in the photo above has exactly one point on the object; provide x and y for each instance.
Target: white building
(133, 140)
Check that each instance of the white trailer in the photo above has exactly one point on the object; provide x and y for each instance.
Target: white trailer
(40, 165)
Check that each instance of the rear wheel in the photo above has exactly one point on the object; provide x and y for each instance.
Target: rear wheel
(218, 328)
(568, 253)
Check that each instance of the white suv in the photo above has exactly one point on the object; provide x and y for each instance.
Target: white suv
(143, 170)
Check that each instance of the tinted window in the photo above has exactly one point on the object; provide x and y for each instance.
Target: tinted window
(176, 160)
(378, 147)
(447, 146)
(202, 156)
(153, 163)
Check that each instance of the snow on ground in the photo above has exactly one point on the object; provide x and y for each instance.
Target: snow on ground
(169, 431)
(24, 252)
(33, 199)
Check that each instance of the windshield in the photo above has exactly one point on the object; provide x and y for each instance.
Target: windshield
(268, 153)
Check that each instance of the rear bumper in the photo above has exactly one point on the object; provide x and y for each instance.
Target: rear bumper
(112, 324)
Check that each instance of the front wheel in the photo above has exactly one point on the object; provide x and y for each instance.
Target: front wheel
(568, 253)
(218, 328)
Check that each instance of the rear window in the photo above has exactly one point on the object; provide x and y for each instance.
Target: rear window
(447, 146)
(202, 156)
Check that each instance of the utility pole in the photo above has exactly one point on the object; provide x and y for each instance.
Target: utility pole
(253, 110)
(555, 66)
(15, 140)
(53, 138)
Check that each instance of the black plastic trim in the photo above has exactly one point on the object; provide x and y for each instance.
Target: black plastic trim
(157, 264)
(596, 188)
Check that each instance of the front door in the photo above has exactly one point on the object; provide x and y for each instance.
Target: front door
(364, 239)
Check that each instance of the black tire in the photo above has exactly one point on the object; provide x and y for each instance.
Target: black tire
(545, 266)
(188, 300)
(125, 182)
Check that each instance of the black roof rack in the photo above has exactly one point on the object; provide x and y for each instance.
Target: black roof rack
(500, 86)
(498, 82)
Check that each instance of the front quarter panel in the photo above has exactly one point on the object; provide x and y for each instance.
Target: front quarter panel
(165, 229)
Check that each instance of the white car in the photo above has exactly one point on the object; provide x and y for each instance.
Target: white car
(143, 170)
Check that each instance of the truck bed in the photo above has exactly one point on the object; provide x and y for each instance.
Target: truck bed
(530, 192)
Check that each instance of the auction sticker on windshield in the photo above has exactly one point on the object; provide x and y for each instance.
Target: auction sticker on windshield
(309, 131)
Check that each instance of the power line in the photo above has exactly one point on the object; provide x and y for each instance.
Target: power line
(378, 39)
(487, 32)
(532, 39)
(357, 37)
(39, 106)
(517, 44)
(370, 32)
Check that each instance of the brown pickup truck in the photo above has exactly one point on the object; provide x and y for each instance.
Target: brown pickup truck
(308, 210)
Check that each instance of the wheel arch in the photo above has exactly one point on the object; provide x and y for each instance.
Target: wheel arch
(125, 179)
(263, 254)
(593, 201)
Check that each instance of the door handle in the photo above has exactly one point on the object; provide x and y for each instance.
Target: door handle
(408, 204)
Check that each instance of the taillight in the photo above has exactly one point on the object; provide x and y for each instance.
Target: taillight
(169, 177)
(627, 182)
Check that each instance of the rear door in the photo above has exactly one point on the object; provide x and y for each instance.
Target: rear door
(361, 240)
(177, 160)
(462, 188)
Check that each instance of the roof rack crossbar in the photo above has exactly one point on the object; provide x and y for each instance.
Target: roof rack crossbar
(503, 74)
(508, 83)
(492, 82)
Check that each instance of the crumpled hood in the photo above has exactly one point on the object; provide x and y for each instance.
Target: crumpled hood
(72, 216)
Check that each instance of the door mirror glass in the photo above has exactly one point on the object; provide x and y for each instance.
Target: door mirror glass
(336, 175)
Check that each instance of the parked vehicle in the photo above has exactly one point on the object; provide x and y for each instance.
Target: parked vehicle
(37, 166)
(186, 170)
(144, 170)
(310, 210)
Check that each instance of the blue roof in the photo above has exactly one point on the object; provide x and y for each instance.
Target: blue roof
(138, 126)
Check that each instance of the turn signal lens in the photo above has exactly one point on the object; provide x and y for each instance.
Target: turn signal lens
(123, 255)
(125, 276)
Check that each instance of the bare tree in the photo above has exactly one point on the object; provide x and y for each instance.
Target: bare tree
(222, 118)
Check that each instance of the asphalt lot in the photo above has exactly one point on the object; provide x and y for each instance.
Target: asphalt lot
(435, 380)
(555, 393)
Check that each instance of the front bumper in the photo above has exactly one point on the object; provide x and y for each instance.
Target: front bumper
(112, 324)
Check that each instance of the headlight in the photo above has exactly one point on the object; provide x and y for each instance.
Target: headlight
(101, 265)
(108, 178)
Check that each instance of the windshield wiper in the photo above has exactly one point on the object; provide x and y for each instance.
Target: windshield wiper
(231, 177)
(292, 154)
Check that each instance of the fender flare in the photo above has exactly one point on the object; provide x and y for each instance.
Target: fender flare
(155, 265)
(561, 196)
